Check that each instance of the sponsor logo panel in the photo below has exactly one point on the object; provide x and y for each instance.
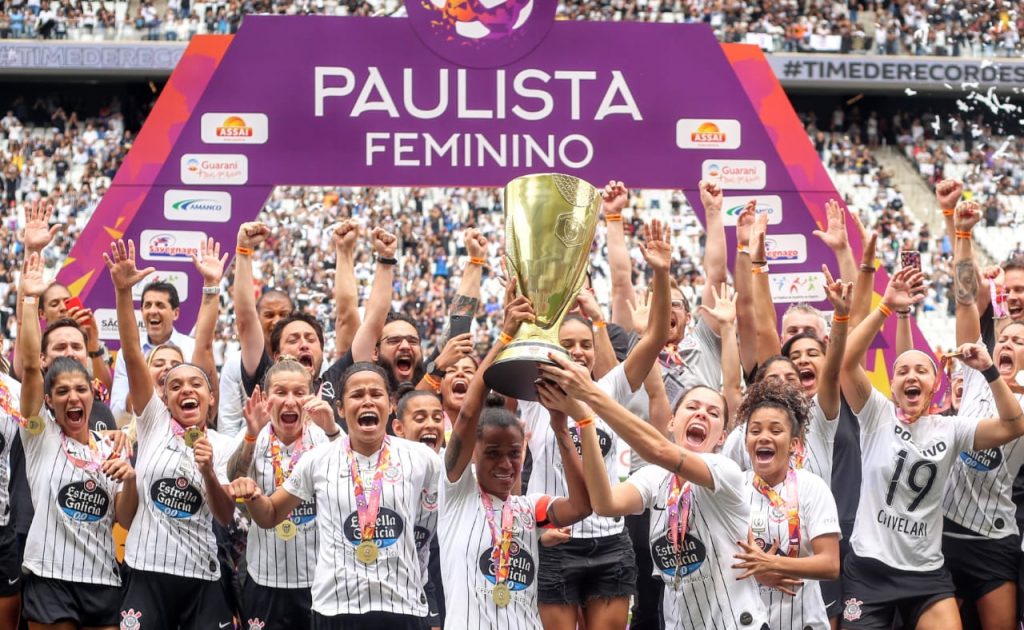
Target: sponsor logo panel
(707, 133)
(229, 128)
(736, 174)
(214, 168)
(766, 204)
(210, 206)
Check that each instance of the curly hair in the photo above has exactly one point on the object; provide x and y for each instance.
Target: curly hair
(774, 394)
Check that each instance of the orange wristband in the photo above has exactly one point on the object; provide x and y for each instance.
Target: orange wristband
(613, 217)
(477, 261)
(742, 249)
(839, 319)
(964, 235)
(947, 213)
(585, 422)
(432, 381)
(884, 310)
(248, 439)
(505, 338)
(243, 251)
(599, 323)
(759, 269)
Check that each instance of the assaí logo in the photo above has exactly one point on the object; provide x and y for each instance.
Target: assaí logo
(481, 33)
(231, 128)
(193, 205)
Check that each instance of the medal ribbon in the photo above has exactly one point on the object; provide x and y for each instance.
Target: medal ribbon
(280, 474)
(500, 541)
(7, 406)
(799, 454)
(95, 460)
(368, 509)
(680, 498)
(792, 507)
(670, 355)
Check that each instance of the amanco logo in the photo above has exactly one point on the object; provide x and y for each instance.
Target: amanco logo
(766, 204)
(481, 33)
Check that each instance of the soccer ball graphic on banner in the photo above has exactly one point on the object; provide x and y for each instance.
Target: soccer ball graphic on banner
(485, 19)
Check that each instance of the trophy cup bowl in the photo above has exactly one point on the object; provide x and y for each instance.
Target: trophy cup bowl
(550, 221)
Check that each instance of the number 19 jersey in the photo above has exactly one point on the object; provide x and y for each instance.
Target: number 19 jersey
(899, 517)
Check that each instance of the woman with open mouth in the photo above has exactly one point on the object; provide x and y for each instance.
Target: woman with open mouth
(454, 387)
(807, 362)
(907, 453)
(981, 540)
(374, 495)
(494, 584)
(794, 523)
(181, 466)
(80, 486)
(594, 569)
(282, 426)
(699, 505)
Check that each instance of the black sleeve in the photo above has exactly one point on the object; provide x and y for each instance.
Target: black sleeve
(329, 382)
(249, 383)
(21, 496)
(101, 418)
(988, 329)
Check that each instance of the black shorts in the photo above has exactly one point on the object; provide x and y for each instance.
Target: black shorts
(275, 608)
(583, 569)
(874, 592)
(158, 601)
(49, 601)
(369, 621)
(832, 590)
(980, 565)
(10, 568)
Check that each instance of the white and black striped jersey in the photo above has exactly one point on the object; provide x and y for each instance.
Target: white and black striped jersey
(899, 517)
(466, 566)
(70, 537)
(274, 562)
(707, 593)
(548, 476)
(394, 583)
(10, 390)
(818, 517)
(819, 441)
(979, 490)
(173, 527)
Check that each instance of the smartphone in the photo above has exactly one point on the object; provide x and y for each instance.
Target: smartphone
(73, 302)
(459, 325)
(910, 258)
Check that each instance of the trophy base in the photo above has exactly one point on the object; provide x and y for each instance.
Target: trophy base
(516, 369)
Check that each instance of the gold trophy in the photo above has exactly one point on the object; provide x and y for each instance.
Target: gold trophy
(549, 227)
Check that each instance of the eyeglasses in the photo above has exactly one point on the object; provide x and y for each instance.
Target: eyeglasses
(396, 340)
(679, 304)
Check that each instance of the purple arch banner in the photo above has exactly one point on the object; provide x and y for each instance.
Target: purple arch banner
(444, 98)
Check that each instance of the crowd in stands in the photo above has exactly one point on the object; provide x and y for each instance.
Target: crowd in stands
(45, 149)
(917, 27)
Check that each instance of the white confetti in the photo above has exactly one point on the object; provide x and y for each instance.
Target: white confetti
(962, 106)
(968, 85)
(950, 87)
(986, 63)
(910, 92)
(937, 125)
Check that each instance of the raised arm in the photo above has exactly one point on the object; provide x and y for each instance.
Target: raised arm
(346, 295)
(724, 313)
(746, 320)
(604, 353)
(646, 441)
(840, 295)
(378, 305)
(210, 265)
(837, 240)
(467, 295)
(575, 507)
(28, 342)
(966, 283)
(657, 251)
(36, 235)
(247, 320)
(257, 414)
(994, 432)
(459, 452)
(906, 288)
(716, 265)
(124, 275)
(767, 328)
(614, 198)
(864, 285)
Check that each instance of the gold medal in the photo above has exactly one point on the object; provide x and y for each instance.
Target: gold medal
(366, 552)
(501, 595)
(286, 530)
(35, 425)
(191, 435)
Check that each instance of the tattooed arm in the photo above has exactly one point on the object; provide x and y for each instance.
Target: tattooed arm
(966, 281)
